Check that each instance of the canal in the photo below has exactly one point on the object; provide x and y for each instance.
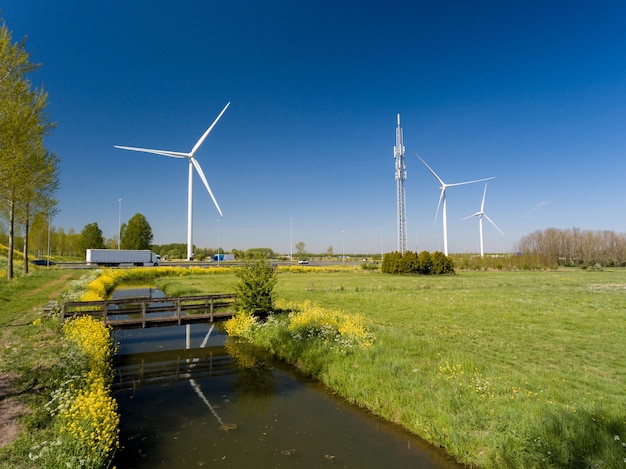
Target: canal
(191, 397)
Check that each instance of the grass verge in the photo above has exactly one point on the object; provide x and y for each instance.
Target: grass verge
(501, 369)
(55, 378)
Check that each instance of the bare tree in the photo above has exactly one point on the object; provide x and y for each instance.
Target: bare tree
(576, 247)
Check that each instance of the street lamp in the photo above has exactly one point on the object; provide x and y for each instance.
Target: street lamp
(291, 239)
(343, 247)
(119, 224)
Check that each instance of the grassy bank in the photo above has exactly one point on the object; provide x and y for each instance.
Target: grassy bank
(502, 369)
(56, 409)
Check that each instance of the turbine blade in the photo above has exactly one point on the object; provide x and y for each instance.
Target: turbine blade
(431, 170)
(208, 131)
(495, 226)
(477, 214)
(470, 182)
(482, 205)
(441, 197)
(206, 184)
(172, 154)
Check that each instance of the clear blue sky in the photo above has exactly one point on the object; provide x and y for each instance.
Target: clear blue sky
(533, 93)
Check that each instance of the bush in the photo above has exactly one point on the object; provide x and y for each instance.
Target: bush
(423, 263)
(441, 264)
(255, 286)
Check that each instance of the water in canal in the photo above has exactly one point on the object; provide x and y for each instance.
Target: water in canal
(190, 398)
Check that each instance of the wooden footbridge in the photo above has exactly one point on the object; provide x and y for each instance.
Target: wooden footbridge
(135, 313)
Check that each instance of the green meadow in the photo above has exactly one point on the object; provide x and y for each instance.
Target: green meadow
(515, 369)
(500, 369)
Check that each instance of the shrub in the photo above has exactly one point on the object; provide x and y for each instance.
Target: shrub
(392, 263)
(423, 263)
(306, 326)
(255, 286)
(441, 264)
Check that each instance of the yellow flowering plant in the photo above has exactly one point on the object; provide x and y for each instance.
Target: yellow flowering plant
(333, 327)
(86, 418)
(305, 323)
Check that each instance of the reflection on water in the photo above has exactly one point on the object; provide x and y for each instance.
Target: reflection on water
(189, 398)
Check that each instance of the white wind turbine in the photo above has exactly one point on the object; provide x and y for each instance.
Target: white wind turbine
(443, 188)
(192, 163)
(480, 216)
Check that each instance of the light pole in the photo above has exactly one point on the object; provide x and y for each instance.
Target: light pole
(343, 247)
(291, 239)
(119, 224)
(48, 258)
(218, 243)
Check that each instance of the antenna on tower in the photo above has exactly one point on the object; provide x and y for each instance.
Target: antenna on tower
(398, 154)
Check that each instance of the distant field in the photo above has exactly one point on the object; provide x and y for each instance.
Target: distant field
(502, 369)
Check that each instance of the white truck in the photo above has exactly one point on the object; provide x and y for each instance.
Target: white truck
(114, 257)
(223, 257)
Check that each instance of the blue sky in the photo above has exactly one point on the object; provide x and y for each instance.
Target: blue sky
(533, 93)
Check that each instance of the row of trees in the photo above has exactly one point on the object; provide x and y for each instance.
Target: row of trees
(423, 263)
(30, 174)
(574, 247)
(137, 234)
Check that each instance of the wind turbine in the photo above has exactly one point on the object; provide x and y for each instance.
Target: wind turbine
(442, 197)
(193, 163)
(480, 216)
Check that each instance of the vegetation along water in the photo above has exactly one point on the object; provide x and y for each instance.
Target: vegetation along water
(501, 369)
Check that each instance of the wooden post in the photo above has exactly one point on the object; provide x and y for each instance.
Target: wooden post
(143, 314)
(211, 310)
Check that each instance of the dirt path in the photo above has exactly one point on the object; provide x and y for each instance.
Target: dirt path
(50, 286)
(11, 407)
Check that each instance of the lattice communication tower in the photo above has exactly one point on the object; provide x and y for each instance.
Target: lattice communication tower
(398, 153)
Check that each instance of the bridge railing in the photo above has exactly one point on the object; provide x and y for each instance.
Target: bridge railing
(145, 312)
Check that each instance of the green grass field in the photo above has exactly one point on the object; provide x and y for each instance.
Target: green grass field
(501, 369)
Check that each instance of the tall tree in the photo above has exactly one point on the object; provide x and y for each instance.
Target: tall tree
(137, 234)
(300, 250)
(23, 125)
(91, 237)
(38, 195)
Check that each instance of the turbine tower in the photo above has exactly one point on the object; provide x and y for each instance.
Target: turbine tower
(193, 163)
(398, 154)
(442, 197)
(480, 216)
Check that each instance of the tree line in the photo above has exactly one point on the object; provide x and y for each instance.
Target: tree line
(135, 234)
(575, 247)
(29, 172)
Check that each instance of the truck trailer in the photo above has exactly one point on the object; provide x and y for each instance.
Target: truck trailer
(115, 257)
(223, 257)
